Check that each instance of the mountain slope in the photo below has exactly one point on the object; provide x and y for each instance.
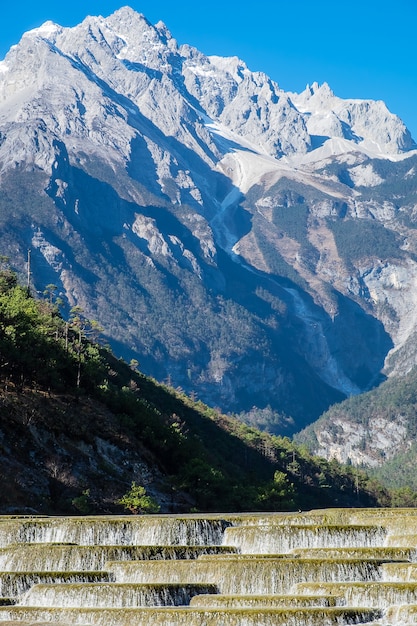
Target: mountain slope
(78, 427)
(376, 430)
(212, 223)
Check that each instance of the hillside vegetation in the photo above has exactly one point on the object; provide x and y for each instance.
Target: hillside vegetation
(78, 427)
(376, 430)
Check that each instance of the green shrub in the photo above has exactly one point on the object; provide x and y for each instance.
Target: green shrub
(137, 501)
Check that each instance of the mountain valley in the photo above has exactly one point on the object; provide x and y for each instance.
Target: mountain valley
(254, 247)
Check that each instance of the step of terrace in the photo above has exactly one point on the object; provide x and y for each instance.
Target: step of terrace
(386, 553)
(375, 594)
(251, 575)
(69, 557)
(189, 616)
(258, 601)
(281, 539)
(113, 595)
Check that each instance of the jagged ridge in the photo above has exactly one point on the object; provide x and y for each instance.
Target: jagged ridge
(200, 213)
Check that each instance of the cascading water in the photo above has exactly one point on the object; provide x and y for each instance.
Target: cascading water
(143, 531)
(14, 584)
(376, 594)
(254, 600)
(63, 558)
(383, 553)
(319, 568)
(188, 616)
(246, 576)
(264, 539)
(114, 595)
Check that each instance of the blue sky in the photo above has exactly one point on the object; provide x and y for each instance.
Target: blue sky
(362, 48)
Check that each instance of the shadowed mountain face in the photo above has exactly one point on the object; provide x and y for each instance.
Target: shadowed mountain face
(252, 246)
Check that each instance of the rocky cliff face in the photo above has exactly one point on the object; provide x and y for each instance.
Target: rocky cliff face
(376, 430)
(254, 246)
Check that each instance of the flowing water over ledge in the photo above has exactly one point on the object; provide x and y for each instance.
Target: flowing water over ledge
(111, 531)
(319, 568)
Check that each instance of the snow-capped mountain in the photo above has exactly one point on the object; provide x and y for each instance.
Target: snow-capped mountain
(249, 244)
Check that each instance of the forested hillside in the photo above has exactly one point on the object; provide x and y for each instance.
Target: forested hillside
(376, 430)
(80, 431)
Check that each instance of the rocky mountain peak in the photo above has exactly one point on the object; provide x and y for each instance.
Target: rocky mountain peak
(316, 92)
(144, 43)
(198, 211)
(48, 30)
(366, 123)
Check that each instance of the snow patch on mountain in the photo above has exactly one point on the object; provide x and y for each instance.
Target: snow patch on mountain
(48, 30)
(365, 176)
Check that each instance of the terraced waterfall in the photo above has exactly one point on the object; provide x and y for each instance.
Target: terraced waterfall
(319, 568)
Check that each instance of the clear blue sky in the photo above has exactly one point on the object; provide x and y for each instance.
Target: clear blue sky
(362, 48)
